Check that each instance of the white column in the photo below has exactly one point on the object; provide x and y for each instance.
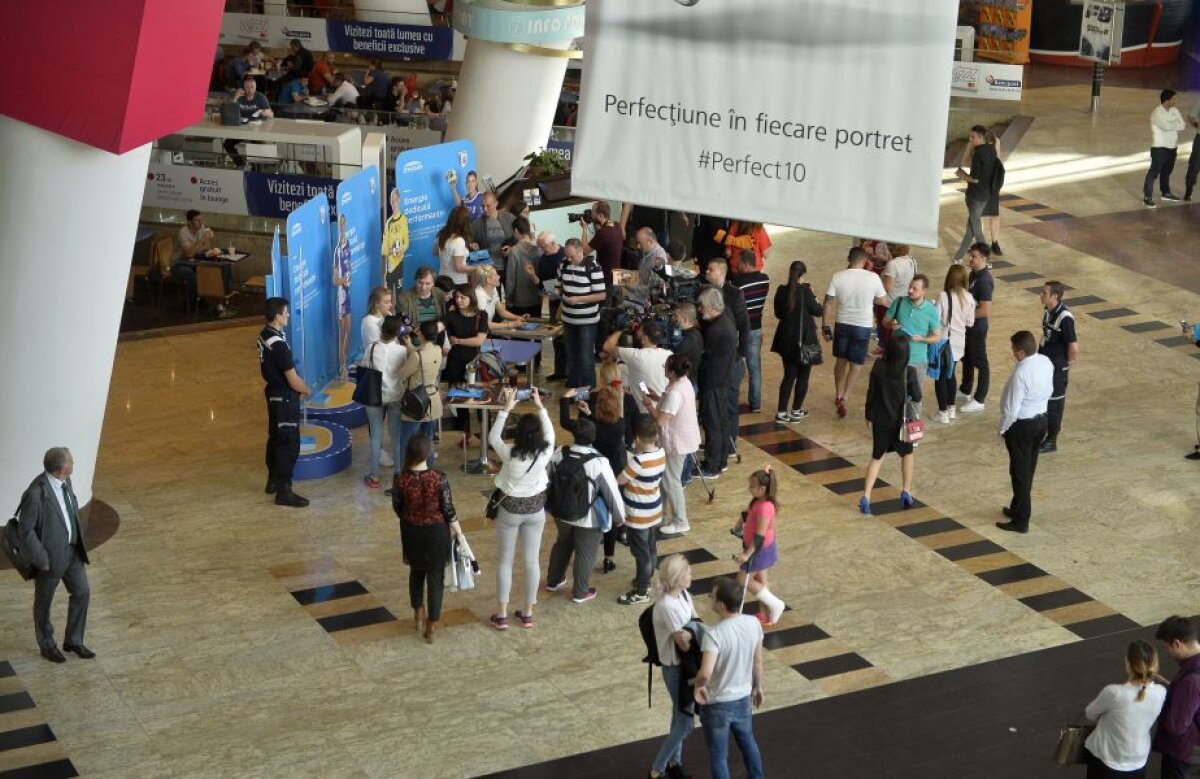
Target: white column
(497, 85)
(68, 217)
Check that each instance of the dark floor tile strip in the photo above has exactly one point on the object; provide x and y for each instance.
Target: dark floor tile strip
(832, 666)
(1112, 313)
(930, 528)
(1146, 327)
(821, 466)
(891, 506)
(697, 556)
(851, 486)
(6, 669)
(967, 551)
(752, 607)
(1176, 340)
(15, 701)
(356, 619)
(794, 445)
(328, 592)
(1084, 300)
(704, 586)
(1001, 264)
(778, 639)
(58, 769)
(1054, 217)
(1055, 600)
(26, 737)
(757, 427)
(1102, 626)
(1025, 276)
(1027, 207)
(1013, 573)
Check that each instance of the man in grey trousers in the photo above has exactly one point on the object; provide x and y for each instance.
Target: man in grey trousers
(979, 187)
(53, 541)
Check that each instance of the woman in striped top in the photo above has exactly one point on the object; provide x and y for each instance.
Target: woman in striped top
(639, 484)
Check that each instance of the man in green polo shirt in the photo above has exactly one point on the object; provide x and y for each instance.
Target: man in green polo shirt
(919, 319)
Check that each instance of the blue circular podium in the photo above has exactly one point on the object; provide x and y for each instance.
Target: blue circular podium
(324, 450)
(335, 403)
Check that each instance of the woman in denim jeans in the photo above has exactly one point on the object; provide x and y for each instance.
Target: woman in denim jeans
(672, 612)
(420, 369)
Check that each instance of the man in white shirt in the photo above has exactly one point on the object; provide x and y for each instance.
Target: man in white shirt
(729, 683)
(346, 93)
(850, 300)
(1165, 124)
(646, 364)
(1023, 424)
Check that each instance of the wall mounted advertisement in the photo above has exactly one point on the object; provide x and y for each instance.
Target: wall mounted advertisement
(316, 308)
(412, 41)
(988, 80)
(770, 110)
(219, 191)
(1101, 32)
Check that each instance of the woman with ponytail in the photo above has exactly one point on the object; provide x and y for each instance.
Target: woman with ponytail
(1124, 714)
(759, 551)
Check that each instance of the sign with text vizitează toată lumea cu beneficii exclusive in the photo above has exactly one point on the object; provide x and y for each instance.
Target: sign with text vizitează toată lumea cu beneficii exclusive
(793, 112)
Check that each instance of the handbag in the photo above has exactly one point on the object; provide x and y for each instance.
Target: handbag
(15, 552)
(461, 568)
(368, 387)
(414, 403)
(810, 354)
(493, 505)
(912, 428)
(1069, 749)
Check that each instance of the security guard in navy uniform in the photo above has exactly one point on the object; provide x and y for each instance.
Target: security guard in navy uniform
(283, 391)
(1060, 345)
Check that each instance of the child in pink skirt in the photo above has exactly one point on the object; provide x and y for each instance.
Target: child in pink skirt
(759, 551)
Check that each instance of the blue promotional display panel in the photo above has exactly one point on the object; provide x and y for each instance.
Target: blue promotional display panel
(359, 232)
(275, 287)
(313, 328)
(275, 195)
(427, 179)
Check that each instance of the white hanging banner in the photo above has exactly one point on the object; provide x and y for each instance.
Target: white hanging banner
(807, 113)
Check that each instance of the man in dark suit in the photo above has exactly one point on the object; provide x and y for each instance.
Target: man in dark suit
(53, 541)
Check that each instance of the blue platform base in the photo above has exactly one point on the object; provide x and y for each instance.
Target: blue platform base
(334, 403)
(324, 450)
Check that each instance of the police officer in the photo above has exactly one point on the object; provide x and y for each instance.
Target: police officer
(1059, 344)
(283, 392)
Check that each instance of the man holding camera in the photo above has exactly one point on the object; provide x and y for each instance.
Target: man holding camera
(645, 364)
(607, 241)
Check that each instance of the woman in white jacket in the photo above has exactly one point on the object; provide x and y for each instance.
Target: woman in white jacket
(521, 515)
(1124, 714)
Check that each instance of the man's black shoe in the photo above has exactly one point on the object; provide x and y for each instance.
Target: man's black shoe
(1170, 196)
(1012, 527)
(1048, 446)
(1006, 511)
(285, 497)
(80, 650)
(1193, 456)
(271, 487)
(53, 655)
(556, 377)
(996, 249)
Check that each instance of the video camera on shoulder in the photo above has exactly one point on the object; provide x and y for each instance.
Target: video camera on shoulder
(582, 216)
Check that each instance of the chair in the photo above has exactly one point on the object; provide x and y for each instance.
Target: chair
(210, 284)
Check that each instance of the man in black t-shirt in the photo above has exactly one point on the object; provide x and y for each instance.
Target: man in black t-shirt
(1060, 345)
(979, 187)
(284, 389)
(608, 241)
(975, 356)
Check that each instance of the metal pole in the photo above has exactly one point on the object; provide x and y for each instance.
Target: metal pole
(1097, 79)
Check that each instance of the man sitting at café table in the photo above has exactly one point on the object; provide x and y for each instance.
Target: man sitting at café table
(193, 242)
(345, 93)
(252, 105)
(321, 76)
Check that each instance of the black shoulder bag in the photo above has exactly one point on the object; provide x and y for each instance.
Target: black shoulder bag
(414, 403)
(810, 354)
(368, 387)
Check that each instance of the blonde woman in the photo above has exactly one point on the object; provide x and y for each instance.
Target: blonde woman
(379, 305)
(1124, 714)
(672, 612)
(486, 281)
(956, 307)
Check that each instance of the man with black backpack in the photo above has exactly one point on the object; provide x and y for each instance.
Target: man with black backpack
(584, 500)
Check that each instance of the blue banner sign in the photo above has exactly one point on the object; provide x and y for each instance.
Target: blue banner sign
(527, 25)
(359, 233)
(391, 41)
(275, 195)
(316, 306)
(428, 179)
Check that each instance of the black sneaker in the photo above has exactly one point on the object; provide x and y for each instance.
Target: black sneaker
(1170, 196)
(1148, 203)
(996, 249)
(633, 598)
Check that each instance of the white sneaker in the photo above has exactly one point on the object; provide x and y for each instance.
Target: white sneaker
(385, 460)
(942, 417)
(673, 529)
(962, 397)
(971, 406)
(953, 412)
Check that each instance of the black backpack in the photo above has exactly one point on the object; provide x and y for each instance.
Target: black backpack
(646, 625)
(568, 493)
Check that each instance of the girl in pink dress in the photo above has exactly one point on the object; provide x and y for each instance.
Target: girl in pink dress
(759, 551)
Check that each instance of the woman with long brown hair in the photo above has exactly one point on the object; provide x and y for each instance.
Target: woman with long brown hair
(957, 309)
(466, 330)
(451, 245)
(796, 308)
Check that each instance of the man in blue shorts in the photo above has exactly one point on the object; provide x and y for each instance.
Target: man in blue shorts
(849, 300)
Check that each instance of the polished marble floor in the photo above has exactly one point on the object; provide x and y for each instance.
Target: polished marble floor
(238, 638)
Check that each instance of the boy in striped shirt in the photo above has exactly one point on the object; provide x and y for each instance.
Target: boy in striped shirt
(643, 505)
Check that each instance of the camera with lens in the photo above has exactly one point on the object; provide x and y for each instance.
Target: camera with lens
(582, 216)
(406, 326)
